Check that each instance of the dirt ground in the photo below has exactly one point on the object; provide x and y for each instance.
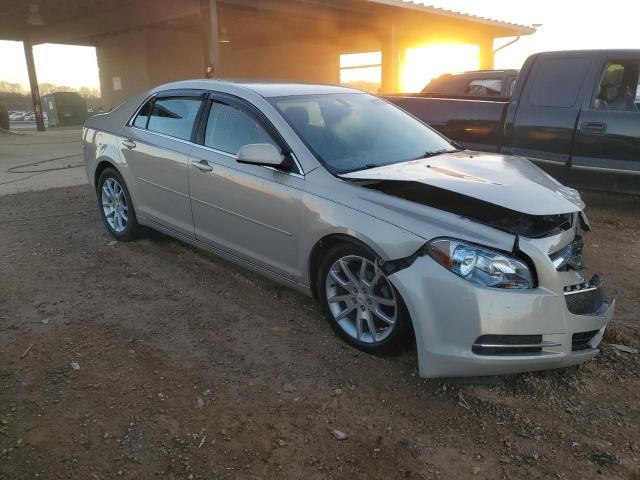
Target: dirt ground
(154, 360)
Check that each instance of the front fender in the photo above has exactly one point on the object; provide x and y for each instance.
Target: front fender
(329, 218)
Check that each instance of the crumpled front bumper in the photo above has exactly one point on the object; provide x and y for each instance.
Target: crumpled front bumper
(449, 314)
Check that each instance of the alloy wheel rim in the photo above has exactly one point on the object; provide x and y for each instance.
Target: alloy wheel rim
(114, 205)
(361, 299)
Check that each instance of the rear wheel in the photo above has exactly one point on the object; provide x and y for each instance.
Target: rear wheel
(116, 208)
(360, 302)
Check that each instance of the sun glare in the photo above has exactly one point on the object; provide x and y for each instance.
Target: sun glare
(361, 70)
(424, 63)
(420, 65)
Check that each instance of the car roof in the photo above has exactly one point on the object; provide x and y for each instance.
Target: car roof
(264, 89)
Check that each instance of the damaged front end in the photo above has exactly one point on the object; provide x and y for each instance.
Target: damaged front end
(490, 214)
(501, 218)
(503, 192)
(507, 194)
(516, 296)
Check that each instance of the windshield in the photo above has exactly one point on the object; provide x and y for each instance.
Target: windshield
(354, 131)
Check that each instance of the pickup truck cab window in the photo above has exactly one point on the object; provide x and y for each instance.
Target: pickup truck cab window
(486, 86)
(618, 87)
(557, 82)
(174, 116)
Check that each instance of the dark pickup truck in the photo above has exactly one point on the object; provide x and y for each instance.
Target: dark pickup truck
(575, 113)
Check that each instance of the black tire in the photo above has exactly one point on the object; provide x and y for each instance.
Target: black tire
(132, 230)
(400, 335)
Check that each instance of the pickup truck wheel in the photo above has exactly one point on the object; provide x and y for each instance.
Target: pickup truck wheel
(116, 208)
(360, 303)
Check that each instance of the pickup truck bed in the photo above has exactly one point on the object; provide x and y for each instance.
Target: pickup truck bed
(477, 124)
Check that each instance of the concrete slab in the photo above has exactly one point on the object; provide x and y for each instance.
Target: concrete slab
(31, 160)
(27, 125)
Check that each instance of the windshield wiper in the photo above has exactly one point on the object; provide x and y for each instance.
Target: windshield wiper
(368, 166)
(428, 154)
(435, 153)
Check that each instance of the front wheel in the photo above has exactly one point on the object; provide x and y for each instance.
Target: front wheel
(116, 208)
(360, 302)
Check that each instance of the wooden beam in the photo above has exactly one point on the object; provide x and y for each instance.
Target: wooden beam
(210, 37)
(13, 36)
(390, 61)
(33, 83)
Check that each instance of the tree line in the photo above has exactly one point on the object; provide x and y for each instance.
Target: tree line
(15, 97)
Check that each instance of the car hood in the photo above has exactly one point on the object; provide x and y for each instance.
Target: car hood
(507, 181)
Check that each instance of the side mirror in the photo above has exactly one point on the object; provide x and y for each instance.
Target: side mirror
(260, 154)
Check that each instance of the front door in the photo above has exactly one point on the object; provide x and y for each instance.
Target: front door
(156, 150)
(608, 134)
(546, 115)
(249, 211)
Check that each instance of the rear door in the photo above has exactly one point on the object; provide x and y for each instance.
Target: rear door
(608, 135)
(249, 211)
(156, 150)
(549, 107)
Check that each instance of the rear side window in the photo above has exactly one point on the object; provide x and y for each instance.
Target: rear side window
(229, 129)
(174, 116)
(558, 82)
(143, 115)
(484, 86)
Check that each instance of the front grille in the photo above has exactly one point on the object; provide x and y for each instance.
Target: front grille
(585, 302)
(507, 344)
(580, 341)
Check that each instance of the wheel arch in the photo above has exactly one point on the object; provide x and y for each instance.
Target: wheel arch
(323, 245)
(330, 241)
(101, 166)
(106, 162)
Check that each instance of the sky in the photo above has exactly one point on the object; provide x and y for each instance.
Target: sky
(68, 65)
(566, 24)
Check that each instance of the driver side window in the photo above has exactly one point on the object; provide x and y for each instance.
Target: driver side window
(619, 87)
(229, 129)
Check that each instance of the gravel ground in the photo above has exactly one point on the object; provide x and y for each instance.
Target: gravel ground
(154, 360)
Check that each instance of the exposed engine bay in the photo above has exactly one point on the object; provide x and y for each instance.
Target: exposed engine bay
(501, 218)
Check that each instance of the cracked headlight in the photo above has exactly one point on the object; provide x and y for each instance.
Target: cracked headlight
(482, 266)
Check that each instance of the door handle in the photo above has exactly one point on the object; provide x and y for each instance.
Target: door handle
(594, 128)
(202, 165)
(127, 142)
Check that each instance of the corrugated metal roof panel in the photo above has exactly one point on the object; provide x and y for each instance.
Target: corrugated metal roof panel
(421, 7)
